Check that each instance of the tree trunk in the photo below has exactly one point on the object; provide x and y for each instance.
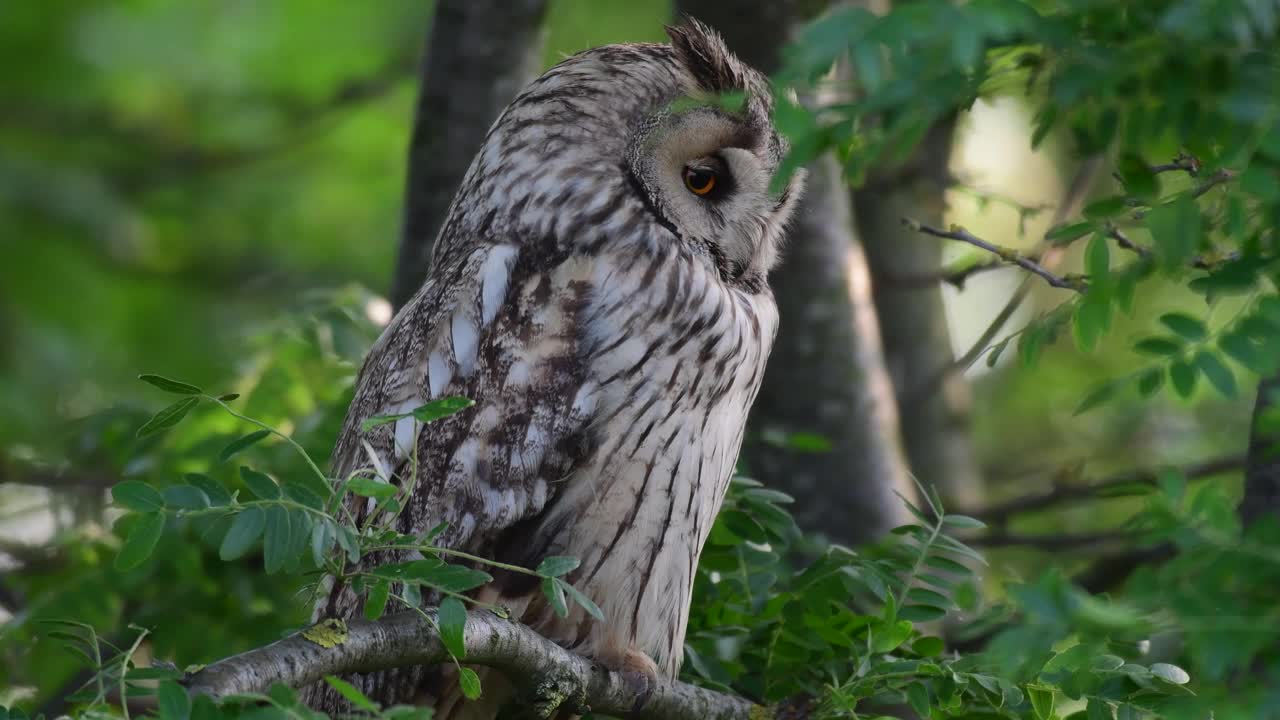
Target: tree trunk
(1262, 469)
(826, 375)
(479, 54)
(913, 322)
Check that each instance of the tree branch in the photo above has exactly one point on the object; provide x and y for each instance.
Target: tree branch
(1076, 192)
(1005, 254)
(411, 638)
(1063, 493)
(1049, 542)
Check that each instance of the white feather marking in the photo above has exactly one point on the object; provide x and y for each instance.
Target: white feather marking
(466, 338)
(375, 459)
(406, 435)
(495, 275)
(438, 373)
(518, 374)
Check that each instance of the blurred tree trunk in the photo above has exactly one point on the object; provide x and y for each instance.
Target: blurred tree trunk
(826, 375)
(913, 322)
(479, 54)
(1262, 469)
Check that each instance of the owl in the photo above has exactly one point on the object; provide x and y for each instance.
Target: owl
(599, 290)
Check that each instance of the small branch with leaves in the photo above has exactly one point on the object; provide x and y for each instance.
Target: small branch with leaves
(1007, 255)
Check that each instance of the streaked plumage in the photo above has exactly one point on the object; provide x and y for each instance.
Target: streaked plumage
(612, 326)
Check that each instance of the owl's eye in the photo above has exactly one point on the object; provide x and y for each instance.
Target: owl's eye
(700, 180)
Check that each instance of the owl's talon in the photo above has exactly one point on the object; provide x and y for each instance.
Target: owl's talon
(640, 673)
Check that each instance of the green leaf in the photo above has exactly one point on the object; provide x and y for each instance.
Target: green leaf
(1171, 673)
(1096, 397)
(352, 694)
(1150, 381)
(1245, 352)
(373, 422)
(168, 417)
(440, 409)
(301, 494)
(376, 603)
(558, 565)
(918, 698)
(322, 538)
(1183, 376)
(173, 701)
(212, 489)
(172, 386)
(1104, 208)
(938, 562)
(469, 681)
(243, 533)
(369, 487)
(450, 578)
(185, 497)
(137, 496)
(921, 613)
(928, 646)
(1218, 374)
(260, 484)
(888, 636)
(1158, 346)
(1064, 234)
(926, 596)
(963, 522)
(452, 617)
(241, 443)
(1175, 227)
(993, 356)
(592, 609)
(1098, 709)
(554, 591)
(1097, 258)
(1092, 317)
(1184, 325)
(1137, 177)
(349, 541)
(275, 543)
(1042, 701)
(141, 541)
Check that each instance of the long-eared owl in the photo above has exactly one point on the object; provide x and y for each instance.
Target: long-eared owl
(599, 289)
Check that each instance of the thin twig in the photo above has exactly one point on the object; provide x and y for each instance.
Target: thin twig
(1006, 254)
(928, 280)
(1074, 197)
(1053, 542)
(1062, 493)
(1221, 176)
(1124, 242)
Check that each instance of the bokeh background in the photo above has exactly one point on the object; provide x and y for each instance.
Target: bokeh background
(213, 191)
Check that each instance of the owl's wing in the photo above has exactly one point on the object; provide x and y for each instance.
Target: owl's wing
(500, 326)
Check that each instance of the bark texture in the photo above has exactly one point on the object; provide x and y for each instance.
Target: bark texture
(1262, 469)
(913, 321)
(479, 54)
(551, 676)
(826, 374)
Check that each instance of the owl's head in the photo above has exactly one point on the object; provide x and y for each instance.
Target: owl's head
(644, 144)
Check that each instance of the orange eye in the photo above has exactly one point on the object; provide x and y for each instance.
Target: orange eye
(699, 180)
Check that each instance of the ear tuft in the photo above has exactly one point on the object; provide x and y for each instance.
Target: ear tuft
(715, 68)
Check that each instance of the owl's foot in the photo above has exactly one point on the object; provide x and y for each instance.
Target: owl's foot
(640, 673)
